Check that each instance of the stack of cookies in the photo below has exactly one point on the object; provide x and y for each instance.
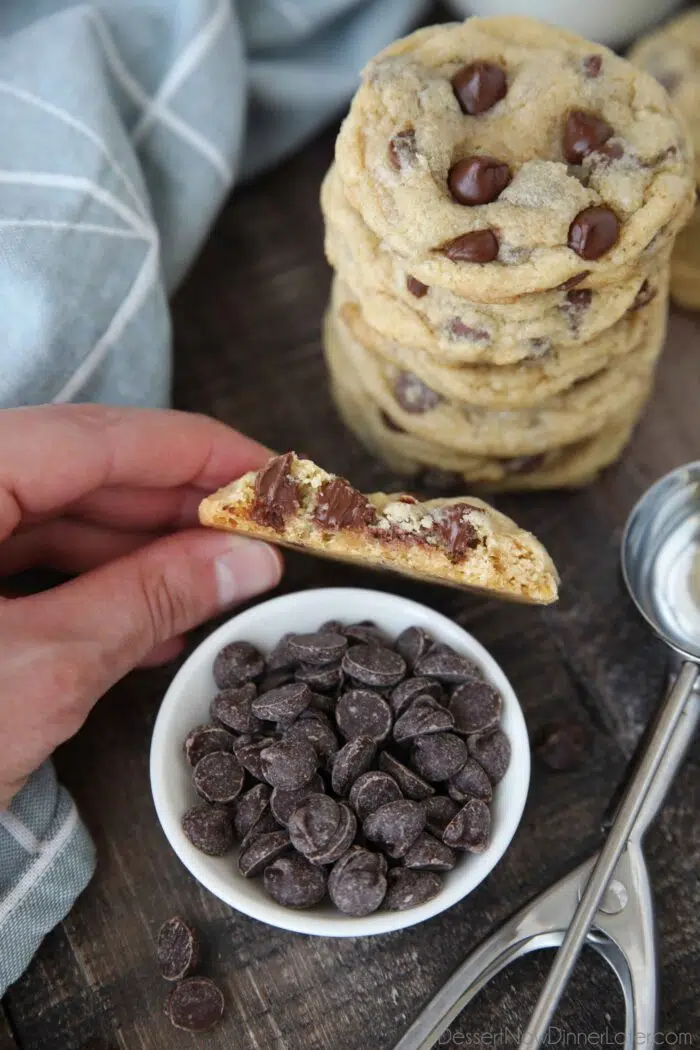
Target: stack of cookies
(500, 216)
(672, 55)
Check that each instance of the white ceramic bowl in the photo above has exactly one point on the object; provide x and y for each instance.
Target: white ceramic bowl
(186, 704)
(611, 22)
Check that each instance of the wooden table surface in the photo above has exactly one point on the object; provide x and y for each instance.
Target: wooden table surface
(247, 335)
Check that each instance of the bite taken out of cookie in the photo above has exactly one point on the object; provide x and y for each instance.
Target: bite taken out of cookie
(461, 542)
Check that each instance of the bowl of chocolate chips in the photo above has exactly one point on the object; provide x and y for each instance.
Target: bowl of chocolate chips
(340, 762)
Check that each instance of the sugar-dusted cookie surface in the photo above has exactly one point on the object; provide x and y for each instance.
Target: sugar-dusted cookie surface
(502, 156)
(461, 542)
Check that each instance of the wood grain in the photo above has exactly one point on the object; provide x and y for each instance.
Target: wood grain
(247, 350)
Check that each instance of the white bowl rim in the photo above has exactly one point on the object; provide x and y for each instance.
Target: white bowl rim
(309, 921)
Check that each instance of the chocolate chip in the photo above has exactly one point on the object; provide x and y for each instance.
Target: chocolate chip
(407, 691)
(281, 657)
(249, 809)
(340, 506)
(283, 801)
(324, 679)
(261, 852)
(478, 180)
(478, 86)
(248, 754)
(456, 533)
(644, 296)
(584, 133)
(468, 782)
(416, 287)
(195, 1005)
(470, 828)
(540, 346)
(439, 811)
(372, 790)
(208, 829)
(360, 712)
(283, 704)
(367, 633)
(412, 786)
(316, 729)
(428, 854)
(575, 304)
(593, 232)
(357, 884)
(263, 826)
(237, 663)
(413, 395)
(205, 739)
(232, 708)
(288, 763)
(218, 777)
(425, 715)
(563, 746)
(395, 826)
(352, 760)
(321, 828)
(374, 665)
(523, 464)
(319, 648)
(177, 949)
(476, 706)
(294, 882)
(459, 330)
(438, 756)
(402, 149)
(613, 150)
(276, 493)
(591, 66)
(412, 643)
(492, 751)
(479, 246)
(409, 889)
(443, 663)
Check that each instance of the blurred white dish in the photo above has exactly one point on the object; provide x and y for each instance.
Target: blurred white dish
(186, 704)
(611, 22)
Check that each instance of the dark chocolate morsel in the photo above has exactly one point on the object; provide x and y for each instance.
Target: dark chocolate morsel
(591, 66)
(289, 764)
(283, 801)
(584, 133)
(261, 851)
(412, 643)
(456, 534)
(357, 882)
(470, 828)
(276, 493)
(322, 829)
(471, 781)
(195, 1005)
(593, 232)
(340, 506)
(205, 739)
(439, 811)
(416, 287)
(395, 826)
(294, 882)
(402, 150)
(447, 665)
(374, 665)
(413, 395)
(283, 704)
(372, 790)
(492, 751)
(249, 808)
(409, 889)
(429, 854)
(237, 663)
(478, 180)
(407, 691)
(412, 786)
(438, 756)
(478, 86)
(361, 712)
(208, 829)
(425, 715)
(177, 949)
(476, 706)
(231, 708)
(218, 777)
(353, 759)
(479, 246)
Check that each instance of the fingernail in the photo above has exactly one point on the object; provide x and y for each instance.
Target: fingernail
(247, 568)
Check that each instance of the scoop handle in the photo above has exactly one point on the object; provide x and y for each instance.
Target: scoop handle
(633, 800)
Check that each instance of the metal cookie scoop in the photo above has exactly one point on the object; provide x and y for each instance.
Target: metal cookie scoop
(606, 902)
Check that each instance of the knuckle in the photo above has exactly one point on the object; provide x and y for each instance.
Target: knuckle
(167, 606)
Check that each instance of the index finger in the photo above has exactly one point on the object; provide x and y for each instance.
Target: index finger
(53, 455)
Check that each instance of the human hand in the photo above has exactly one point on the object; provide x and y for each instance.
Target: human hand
(108, 493)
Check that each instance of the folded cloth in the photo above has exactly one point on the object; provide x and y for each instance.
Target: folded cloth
(124, 127)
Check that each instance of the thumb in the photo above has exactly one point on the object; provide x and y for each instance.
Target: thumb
(112, 618)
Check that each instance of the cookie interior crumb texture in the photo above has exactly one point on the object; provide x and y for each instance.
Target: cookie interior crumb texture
(462, 541)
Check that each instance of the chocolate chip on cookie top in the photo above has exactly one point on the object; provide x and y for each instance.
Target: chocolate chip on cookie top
(479, 86)
(478, 180)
